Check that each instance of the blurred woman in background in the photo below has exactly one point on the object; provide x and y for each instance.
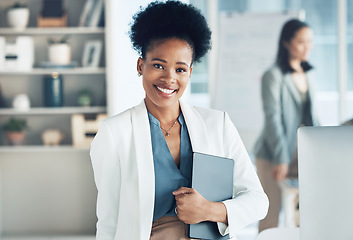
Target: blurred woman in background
(287, 104)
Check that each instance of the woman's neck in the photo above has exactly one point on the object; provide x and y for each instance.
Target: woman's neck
(165, 115)
(296, 65)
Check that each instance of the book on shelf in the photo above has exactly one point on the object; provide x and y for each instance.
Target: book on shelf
(101, 22)
(87, 8)
(92, 14)
(97, 12)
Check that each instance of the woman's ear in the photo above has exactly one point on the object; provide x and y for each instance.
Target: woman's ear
(190, 71)
(140, 63)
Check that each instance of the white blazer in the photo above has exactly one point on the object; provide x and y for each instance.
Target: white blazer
(122, 160)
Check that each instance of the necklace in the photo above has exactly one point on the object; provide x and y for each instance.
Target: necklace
(167, 131)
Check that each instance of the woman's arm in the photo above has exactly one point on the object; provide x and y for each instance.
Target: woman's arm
(249, 203)
(106, 167)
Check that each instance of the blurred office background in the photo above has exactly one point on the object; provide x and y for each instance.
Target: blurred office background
(332, 25)
(57, 198)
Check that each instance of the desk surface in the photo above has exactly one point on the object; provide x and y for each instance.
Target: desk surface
(279, 234)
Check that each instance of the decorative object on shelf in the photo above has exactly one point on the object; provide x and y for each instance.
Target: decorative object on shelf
(92, 14)
(21, 102)
(52, 14)
(84, 98)
(16, 54)
(92, 53)
(2, 100)
(52, 137)
(84, 130)
(53, 90)
(72, 64)
(15, 131)
(59, 51)
(18, 16)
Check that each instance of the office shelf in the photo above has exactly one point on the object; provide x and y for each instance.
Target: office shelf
(74, 80)
(53, 186)
(53, 31)
(52, 111)
(63, 71)
(41, 149)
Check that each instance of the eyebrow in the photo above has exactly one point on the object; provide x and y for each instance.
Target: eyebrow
(162, 60)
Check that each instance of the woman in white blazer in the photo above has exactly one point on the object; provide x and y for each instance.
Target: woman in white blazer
(142, 157)
(288, 103)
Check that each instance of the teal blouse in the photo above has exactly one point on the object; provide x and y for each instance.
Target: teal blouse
(168, 177)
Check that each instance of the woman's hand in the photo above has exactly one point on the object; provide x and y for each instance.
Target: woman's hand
(280, 171)
(193, 208)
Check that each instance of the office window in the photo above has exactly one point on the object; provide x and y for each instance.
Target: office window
(322, 17)
(199, 79)
(350, 43)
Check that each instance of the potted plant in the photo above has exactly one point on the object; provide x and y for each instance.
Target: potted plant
(15, 130)
(84, 98)
(59, 51)
(18, 16)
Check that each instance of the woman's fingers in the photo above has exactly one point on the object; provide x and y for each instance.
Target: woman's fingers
(183, 190)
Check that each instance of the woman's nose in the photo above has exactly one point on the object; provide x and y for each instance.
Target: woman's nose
(170, 77)
(308, 46)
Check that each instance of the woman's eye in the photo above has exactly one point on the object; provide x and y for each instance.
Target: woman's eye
(181, 70)
(156, 65)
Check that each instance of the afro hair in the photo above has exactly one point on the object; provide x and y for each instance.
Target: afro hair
(161, 20)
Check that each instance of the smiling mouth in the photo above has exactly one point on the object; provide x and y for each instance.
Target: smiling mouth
(166, 90)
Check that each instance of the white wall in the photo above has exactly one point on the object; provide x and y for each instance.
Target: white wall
(47, 193)
(124, 86)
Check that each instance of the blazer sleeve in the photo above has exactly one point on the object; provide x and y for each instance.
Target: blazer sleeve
(249, 203)
(106, 167)
(274, 134)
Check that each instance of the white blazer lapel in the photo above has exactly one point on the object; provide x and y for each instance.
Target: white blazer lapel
(197, 129)
(144, 159)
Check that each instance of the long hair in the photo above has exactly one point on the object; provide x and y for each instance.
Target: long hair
(289, 29)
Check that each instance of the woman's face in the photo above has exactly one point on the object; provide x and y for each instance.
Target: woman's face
(165, 70)
(300, 45)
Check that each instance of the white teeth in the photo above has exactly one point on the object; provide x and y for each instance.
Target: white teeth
(167, 91)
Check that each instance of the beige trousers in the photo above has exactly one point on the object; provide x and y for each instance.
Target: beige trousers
(273, 191)
(169, 228)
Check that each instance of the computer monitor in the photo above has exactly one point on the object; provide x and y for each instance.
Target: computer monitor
(325, 158)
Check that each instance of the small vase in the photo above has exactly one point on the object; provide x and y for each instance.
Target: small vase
(53, 90)
(21, 102)
(59, 53)
(18, 18)
(15, 138)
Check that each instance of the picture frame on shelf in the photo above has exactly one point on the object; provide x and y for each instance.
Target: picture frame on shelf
(92, 53)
